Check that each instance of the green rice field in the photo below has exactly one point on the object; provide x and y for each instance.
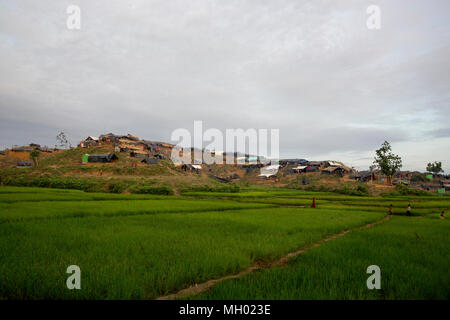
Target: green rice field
(148, 246)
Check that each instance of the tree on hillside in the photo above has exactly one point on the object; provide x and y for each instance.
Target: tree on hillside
(35, 156)
(388, 162)
(435, 167)
(62, 140)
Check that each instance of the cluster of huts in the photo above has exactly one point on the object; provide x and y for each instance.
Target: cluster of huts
(149, 151)
(299, 166)
(23, 153)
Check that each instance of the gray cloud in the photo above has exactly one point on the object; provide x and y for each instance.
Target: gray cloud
(440, 133)
(310, 68)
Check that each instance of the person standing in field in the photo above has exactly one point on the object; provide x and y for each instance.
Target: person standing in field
(408, 210)
(390, 210)
(442, 214)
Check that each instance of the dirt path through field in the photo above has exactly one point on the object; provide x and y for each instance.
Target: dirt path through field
(201, 287)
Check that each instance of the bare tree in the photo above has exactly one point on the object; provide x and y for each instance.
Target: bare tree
(62, 141)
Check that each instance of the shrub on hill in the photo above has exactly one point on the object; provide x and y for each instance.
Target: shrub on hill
(208, 188)
(164, 190)
(53, 182)
(402, 190)
(360, 190)
(116, 187)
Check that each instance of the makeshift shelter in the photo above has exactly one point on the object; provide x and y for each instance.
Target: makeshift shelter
(284, 162)
(267, 175)
(315, 163)
(138, 154)
(160, 156)
(334, 171)
(130, 137)
(311, 169)
(241, 160)
(364, 176)
(299, 169)
(252, 159)
(191, 167)
(24, 164)
(45, 149)
(19, 153)
(102, 157)
(22, 149)
(273, 167)
(330, 163)
(150, 161)
(252, 166)
(88, 142)
(109, 137)
(445, 184)
(220, 179)
(269, 171)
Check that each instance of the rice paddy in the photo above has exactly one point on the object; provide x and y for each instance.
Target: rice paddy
(147, 246)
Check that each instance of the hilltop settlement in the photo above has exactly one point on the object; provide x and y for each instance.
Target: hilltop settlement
(126, 163)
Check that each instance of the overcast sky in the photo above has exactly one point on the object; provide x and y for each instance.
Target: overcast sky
(312, 69)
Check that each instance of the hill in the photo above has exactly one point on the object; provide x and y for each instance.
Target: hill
(144, 166)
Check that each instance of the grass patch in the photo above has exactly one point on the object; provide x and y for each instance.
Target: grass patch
(411, 252)
(10, 212)
(146, 256)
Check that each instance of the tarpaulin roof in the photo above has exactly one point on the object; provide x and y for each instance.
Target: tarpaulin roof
(272, 167)
(266, 175)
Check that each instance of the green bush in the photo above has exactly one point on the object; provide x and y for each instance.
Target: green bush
(53, 182)
(116, 187)
(207, 188)
(403, 190)
(165, 190)
(360, 190)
